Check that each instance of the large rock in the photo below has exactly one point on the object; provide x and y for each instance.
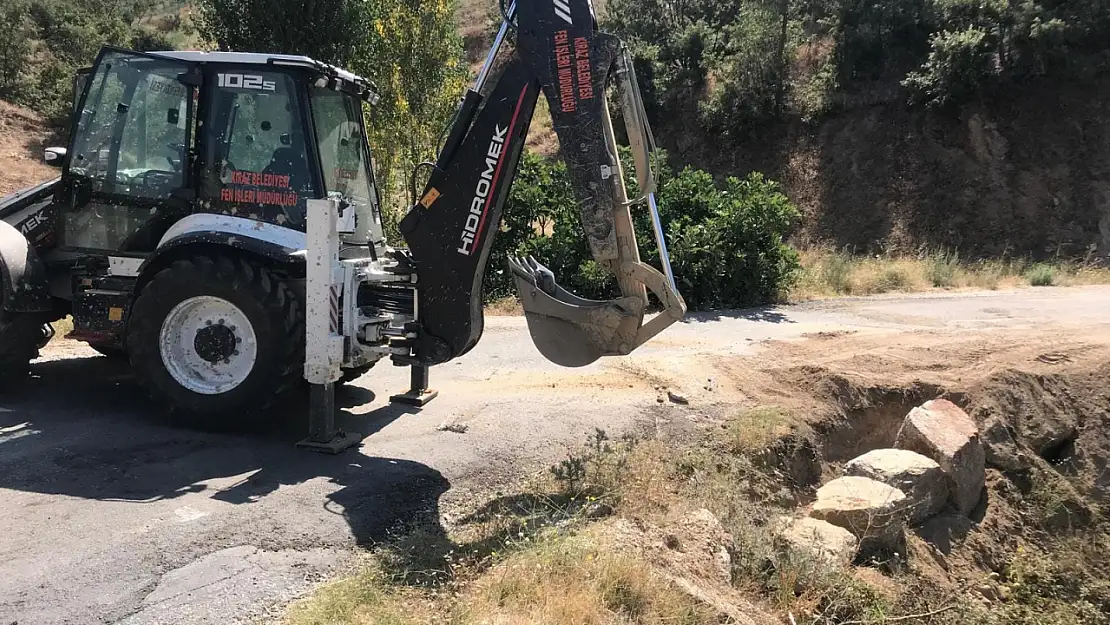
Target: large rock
(813, 540)
(922, 480)
(874, 512)
(942, 431)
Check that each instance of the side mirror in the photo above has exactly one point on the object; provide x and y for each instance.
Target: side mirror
(55, 157)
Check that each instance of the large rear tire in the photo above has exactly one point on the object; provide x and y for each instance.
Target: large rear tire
(21, 336)
(217, 339)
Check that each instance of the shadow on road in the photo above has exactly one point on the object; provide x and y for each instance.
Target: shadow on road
(83, 428)
(764, 314)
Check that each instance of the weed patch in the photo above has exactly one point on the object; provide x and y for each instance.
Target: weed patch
(1041, 275)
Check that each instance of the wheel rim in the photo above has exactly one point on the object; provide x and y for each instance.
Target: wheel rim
(208, 345)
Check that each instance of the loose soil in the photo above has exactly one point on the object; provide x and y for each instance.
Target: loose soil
(23, 136)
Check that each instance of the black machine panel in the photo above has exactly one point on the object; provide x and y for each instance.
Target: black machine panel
(450, 231)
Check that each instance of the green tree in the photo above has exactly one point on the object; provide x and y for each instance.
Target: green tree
(72, 34)
(15, 47)
(415, 57)
(328, 30)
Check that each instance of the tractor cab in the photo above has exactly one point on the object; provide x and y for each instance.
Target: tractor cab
(160, 137)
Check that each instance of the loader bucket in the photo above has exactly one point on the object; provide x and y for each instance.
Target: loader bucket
(572, 331)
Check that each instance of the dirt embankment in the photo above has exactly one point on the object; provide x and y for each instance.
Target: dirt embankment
(1027, 175)
(23, 135)
(1042, 405)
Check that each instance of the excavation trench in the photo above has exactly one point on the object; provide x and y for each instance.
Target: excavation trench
(1028, 421)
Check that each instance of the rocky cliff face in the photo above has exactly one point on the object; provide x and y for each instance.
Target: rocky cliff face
(1028, 175)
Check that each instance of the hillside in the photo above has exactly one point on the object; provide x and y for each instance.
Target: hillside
(23, 135)
(1023, 175)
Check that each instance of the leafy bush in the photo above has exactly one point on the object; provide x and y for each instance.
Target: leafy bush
(942, 269)
(737, 256)
(726, 243)
(960, 65)
(15, 47)
(1041, 275)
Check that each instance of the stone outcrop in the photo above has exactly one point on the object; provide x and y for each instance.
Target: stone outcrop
(813, 540)
(874, 512)
(921, 479)
(940, 430)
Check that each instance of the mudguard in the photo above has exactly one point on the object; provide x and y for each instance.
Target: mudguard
(276, 243)
(24, 275)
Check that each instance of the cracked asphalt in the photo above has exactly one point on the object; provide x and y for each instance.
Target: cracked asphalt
(112, 515)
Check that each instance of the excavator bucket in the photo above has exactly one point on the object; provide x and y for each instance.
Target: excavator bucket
(572, 331)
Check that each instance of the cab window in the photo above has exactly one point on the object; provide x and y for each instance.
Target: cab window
(131, 137)
(257, 146)
(338, 120)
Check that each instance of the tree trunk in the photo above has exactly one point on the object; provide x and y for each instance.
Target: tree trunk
(780, 92)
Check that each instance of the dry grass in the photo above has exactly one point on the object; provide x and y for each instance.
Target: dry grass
(539, 559)
(363, 599)
(504, 307)
(753, 430)
(827, 273)
(541, 135)
(569, 580)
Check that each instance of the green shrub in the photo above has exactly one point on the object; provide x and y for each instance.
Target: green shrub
(942, 269)
(737, 256)
(1041, 275)
(959, 67)
(836, 272)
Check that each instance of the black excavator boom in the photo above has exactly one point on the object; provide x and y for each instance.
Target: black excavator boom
(559, 53)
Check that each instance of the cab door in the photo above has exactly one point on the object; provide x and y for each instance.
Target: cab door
(127, 173)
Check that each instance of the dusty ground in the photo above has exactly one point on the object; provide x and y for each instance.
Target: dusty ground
(112, 516)
(22, 140)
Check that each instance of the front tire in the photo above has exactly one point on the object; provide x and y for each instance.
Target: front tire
(216, 339)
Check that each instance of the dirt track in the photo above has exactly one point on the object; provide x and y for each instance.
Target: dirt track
(111, 516)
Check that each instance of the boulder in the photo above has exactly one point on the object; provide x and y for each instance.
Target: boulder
(921, 479)
(813, 540)
(942, 431)
(874, 512)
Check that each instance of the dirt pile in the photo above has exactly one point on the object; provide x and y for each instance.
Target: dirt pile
(23, 135)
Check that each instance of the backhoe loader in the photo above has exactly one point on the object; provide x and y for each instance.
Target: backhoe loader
(217, 222)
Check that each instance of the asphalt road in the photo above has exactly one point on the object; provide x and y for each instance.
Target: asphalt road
(110, 515)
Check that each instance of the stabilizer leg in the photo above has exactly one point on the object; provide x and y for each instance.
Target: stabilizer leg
(418, 394)
(323, 341)
(323, 435)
